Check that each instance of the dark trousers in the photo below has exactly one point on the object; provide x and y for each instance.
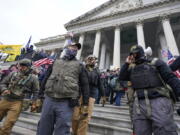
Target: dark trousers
(55, 117)
(112, 96)
(160, 122)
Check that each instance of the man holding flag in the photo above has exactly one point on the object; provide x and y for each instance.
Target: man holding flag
(174, 64)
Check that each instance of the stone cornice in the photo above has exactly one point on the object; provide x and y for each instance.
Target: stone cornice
(51, 39)
(164, 17)
(140, 21)
(71, 24)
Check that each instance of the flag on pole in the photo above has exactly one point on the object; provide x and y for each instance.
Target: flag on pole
(71, 34)
(170, 60)
(40, 62)
(164, 53)
(12, 50)
(28, 43)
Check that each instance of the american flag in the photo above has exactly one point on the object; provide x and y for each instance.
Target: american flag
(170, 60)
(164, 53)
(170, 57)
(43, 61)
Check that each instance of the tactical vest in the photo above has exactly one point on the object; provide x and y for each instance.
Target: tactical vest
(17, 85)
(64, 79)
(145, 76)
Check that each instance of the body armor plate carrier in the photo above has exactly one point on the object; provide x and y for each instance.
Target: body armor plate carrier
(145, 76)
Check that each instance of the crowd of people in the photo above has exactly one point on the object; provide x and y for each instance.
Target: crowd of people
(69, 89)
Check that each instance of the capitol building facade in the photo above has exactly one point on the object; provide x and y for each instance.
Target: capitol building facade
(108, 31)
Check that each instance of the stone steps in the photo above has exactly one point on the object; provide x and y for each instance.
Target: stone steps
(105, 113)
(108, 120)
(119, 122)
(98, 128)
(110, 107)
(108, 130)
(22, 131)
(98, 124)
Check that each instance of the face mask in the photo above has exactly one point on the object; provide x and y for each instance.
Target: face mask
(69, 54)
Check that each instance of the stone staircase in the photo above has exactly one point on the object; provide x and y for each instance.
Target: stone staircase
(108, 120)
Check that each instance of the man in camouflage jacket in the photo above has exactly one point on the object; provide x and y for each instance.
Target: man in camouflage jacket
(14, 88)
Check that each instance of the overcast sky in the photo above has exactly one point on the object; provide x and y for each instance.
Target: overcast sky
(40, 18)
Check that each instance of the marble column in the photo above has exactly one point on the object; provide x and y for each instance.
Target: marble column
(140, 34)
(163, 42)
(97, 44)
(103, 56)
(107, 60)
(116, 53)
(163, 45)
(66, 42)
(81, 41)
(171, 43)
(178, 38)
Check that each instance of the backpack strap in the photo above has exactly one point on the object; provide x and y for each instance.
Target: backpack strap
(147, 101)
(171, 93)
(148, 104)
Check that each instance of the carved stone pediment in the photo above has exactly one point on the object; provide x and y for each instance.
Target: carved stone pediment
(108, 8)
(126, 5)
(120, 5)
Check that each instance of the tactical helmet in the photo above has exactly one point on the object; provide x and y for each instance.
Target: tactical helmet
(25, 62)
(137, 49)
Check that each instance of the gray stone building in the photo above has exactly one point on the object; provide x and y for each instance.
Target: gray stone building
(108, 31)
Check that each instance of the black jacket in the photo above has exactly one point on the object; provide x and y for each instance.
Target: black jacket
(164, 71)
(176, 64)
(95, 83)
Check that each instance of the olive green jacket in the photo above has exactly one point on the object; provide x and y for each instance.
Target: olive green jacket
(20, 86)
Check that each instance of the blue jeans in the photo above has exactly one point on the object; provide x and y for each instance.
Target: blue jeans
(118, 96)
(56, 117)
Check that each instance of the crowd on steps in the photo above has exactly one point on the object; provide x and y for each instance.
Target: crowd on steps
(65, 91)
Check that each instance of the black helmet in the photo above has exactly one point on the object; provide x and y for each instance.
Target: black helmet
(25, 62)
(137, 49)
